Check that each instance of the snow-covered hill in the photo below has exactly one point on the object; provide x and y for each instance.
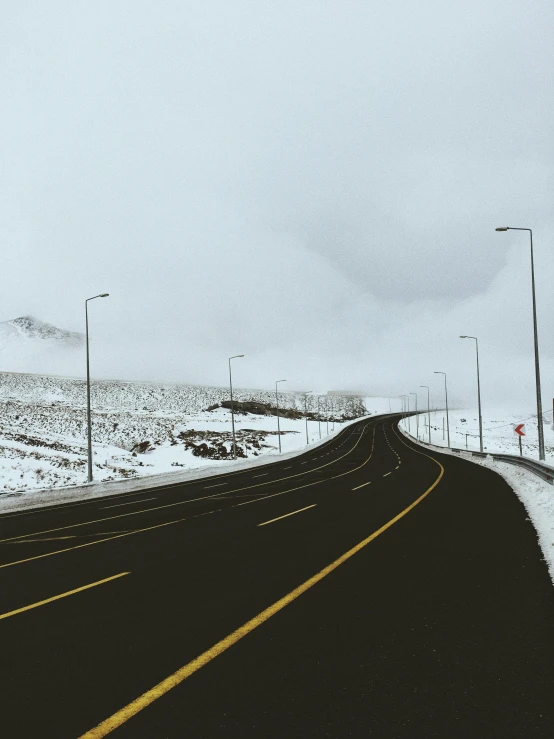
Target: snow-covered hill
(30, 345)
(141, 428)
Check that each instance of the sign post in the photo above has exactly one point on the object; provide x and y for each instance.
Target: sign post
(518, 429)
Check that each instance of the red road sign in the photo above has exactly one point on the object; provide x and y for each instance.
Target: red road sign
(519, 429)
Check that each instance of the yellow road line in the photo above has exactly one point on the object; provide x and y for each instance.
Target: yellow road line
(362, 486)
(49, 538)
(309, 484)
(62, 595)
(118, 496)
(101, 541)
(140, 703)
(180, 520)
(287, 515)
(180, 502)
(119, 505)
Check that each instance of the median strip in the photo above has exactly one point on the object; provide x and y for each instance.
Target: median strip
(62, 595)
(288, 514)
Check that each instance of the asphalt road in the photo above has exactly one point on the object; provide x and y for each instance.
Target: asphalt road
(365, 588)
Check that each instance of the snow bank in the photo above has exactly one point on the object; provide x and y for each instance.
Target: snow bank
(140, 428)
(498, 430)
(38, 498)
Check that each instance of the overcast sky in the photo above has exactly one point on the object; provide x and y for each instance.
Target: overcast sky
(313, 184)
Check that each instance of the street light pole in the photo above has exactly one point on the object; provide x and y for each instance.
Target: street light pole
(428, 411)
(233, 405)
(416, 417)
(89, 419)
(318, 417)
(447, 419)
(277, 405)
(306, 413)
(536, 337)
(403, 398)
(478, 391)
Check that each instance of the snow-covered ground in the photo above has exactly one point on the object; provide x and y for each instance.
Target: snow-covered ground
(498, 431)
(145, 429)
(536, 494)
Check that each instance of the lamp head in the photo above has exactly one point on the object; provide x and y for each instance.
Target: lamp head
(104, 295)
(502, 228)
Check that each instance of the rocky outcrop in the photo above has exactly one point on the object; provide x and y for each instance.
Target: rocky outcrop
(260, 409)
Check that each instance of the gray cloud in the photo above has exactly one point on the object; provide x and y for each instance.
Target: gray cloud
(315, 184)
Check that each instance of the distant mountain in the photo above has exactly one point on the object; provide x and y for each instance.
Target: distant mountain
(30, 345)
(30, 327)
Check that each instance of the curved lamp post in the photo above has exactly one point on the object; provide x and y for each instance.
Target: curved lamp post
(537, 368)
(416, 416)
(478, 390)
(232, 405)
(306, 413)
(428, 411)
(401, 398)
(319, 416)
(277, 404)
(89, 420)
(446, 396)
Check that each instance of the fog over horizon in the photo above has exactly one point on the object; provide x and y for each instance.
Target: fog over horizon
(314, 185)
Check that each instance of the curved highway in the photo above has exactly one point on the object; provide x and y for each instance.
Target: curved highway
(365, 588)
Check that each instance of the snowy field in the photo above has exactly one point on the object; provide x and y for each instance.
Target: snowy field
(536, 494)
(498, 431)
(146, 429)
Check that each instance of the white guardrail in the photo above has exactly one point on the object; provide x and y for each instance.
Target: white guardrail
(545, 471)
